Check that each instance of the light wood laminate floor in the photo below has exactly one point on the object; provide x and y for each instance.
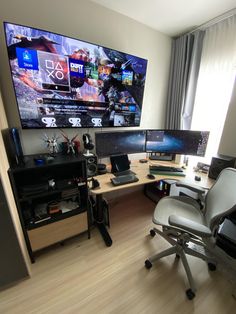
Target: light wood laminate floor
(85, 276)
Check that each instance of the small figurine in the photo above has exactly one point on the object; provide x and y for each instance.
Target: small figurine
(51, 144)
(72, 144)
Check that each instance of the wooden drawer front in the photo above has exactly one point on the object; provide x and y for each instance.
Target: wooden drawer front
(57, 231)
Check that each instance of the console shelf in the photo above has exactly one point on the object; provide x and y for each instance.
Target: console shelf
(52, 200)
(51, 219)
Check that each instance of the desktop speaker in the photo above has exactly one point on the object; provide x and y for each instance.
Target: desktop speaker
(92, 162)
(218, 164)
(13, 146)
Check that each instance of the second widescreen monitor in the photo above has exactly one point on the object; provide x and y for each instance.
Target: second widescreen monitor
(183, 142)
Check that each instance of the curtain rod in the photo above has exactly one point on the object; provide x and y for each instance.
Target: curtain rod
(215, 20)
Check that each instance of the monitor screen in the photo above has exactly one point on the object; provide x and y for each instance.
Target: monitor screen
(124, 142)
(65, 82)
(184, 142)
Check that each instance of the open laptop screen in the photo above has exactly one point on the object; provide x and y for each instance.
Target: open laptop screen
(119, 163)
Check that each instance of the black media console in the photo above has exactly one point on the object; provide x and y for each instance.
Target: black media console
(51, 198)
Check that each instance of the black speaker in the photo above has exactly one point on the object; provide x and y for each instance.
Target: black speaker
(13, 146)
(218, 164)
(92, 162)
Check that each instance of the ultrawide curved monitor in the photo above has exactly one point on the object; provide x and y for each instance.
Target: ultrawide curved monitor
(65, 82)
(122, 142)
(183, 142)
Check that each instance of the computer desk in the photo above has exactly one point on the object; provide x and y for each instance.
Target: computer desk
(141, 170)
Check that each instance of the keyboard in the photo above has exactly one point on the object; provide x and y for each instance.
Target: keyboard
(129, 178)
(165, 168)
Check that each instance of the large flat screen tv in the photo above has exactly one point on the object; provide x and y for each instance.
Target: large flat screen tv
(183, 142)
(65, 82)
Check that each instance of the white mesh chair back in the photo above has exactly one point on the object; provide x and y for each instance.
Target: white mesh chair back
(221, 198)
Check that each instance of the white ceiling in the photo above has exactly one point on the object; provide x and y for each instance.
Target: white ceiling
(171, 17)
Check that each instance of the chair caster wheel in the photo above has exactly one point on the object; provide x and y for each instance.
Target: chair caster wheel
(190, 294)
(152, 233)
(211, 266)
(148, 264)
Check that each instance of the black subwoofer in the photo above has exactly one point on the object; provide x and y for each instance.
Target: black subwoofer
(13, 146)
(218, 164)
(91, 165)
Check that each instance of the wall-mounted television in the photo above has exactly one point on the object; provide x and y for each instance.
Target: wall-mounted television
(121, 142)
(183, 142)
(64, 82)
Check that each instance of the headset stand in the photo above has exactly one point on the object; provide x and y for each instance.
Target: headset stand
(88, 153)
(100, 221)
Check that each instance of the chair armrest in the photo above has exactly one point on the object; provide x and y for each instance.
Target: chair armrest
(189, 225)
(170, 181)
(191, 187)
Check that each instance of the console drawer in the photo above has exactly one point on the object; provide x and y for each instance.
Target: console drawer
(57, 231)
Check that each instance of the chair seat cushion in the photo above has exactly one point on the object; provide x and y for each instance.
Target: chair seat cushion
(179, 206)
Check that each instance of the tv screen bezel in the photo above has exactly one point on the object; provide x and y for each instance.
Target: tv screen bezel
(83, 41)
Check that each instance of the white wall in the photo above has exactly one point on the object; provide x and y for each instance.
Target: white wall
(90, 22)
(228, 141)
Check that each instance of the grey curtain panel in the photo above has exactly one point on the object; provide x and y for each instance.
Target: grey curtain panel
(184, 69)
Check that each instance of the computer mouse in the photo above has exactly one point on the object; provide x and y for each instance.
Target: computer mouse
(143, 161)
(197, 178)
(150, 176)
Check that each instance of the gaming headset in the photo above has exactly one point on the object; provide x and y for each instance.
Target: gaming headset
(88, 144)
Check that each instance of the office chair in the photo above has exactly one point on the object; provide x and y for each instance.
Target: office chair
(192, 229)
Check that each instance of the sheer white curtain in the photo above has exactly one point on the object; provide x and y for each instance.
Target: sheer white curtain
(215, 82)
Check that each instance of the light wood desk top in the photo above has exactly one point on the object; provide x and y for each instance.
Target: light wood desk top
(141, 170)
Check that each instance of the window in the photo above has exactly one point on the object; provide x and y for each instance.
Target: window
(215, 82)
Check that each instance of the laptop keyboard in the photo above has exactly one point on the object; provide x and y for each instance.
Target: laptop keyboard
(129, 178)
(123, 173)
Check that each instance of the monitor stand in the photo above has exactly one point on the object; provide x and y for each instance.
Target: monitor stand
(164, 157)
